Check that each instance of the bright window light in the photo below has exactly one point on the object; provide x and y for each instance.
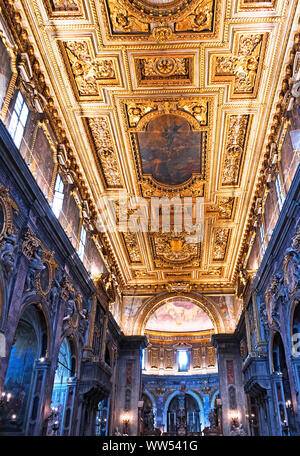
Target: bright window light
(82, 242)
(262, 238)
(58, 197)
(143, 359)
(183, 360)
(279, 192)
(18, 120)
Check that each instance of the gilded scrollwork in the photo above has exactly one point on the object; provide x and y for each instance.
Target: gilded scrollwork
(89, 72)
(7, 206)
(220, 242)
(132, 246)
(199, 20)
(198, 109)
(59, 8)
(105, 150)
(242, 66)
(135, 111)
(162, 33)
(161, 22)
(238, 126)
(174, 248)
(44, 279)
(123, 21)
(164, 70)
(179, 287)
(223, 207)
(194, 111)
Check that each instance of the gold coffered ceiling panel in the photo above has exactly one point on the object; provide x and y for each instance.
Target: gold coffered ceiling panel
(88, 73)
(161, 70)
(242, 67)
(168, 99)
(160, 20)
(64, 8)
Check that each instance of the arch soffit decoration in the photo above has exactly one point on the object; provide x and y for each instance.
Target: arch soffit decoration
(39, 302)
(151, 305)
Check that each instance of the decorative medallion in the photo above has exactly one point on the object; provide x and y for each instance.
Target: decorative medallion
(164, 70)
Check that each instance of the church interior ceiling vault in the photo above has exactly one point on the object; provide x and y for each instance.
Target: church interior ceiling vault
(167, 99)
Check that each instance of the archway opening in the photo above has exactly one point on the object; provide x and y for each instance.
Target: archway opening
(282, 386)
(147, 415)
(102, 415)
(30, 345)
(183, 416)
(65, 370)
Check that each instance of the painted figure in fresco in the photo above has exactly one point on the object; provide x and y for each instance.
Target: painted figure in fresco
(170, 150)
(35, 266)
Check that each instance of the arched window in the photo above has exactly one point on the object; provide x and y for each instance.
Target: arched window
(58, 197)
(18, 119)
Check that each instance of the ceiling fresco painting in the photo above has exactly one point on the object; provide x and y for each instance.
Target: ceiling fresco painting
(179, 316)
(169, 150)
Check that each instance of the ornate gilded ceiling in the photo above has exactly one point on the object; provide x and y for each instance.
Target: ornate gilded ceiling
(167, 98)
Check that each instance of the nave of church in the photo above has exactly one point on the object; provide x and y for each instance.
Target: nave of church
(149, 218)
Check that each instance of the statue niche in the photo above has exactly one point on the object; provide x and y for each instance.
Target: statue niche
(147, 416)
